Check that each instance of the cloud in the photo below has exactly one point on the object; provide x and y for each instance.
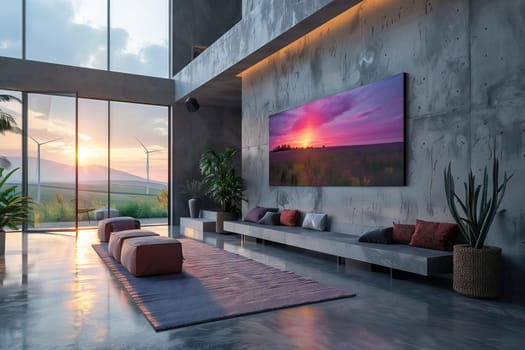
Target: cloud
(10, 29)
(52, 36)
(314, 114)
(359, 116)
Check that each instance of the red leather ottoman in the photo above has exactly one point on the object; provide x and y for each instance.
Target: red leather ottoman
(121, 223)
(117, 238)
(154, 255)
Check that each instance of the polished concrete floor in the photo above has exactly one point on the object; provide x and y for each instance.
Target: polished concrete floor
(55, 293)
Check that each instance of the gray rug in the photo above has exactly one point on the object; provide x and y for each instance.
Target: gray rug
(214, 285)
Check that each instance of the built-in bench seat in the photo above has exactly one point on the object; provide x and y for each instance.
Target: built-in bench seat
(403, 257)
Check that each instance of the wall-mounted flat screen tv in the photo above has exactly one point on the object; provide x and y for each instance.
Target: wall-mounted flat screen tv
(353, 138)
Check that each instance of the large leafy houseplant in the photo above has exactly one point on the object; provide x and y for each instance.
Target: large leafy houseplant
(222, 183)
(475, 213)
(476, 266)
(14, 208)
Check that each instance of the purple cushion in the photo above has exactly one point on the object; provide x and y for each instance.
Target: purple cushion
(257, 213)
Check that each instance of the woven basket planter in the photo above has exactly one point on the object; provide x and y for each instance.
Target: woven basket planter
(477, 272)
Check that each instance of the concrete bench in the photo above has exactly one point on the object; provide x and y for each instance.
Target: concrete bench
(402, 257)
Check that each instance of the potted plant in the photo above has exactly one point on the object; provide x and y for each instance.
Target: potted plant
(476, 271)
(194, 189)
(14, 208)
(223, 184)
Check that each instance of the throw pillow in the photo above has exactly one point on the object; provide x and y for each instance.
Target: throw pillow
(257, 213)
(289, 217)
(380, 235)
(402, 233)
(315, 221)
(270, 218)
(434, 235)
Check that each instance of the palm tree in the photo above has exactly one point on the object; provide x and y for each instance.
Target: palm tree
(7, 123)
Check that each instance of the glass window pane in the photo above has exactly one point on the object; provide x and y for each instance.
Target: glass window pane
(51, 159)
(11, 28)
(92, 160)
(11, 140)
(139, 161)
(72, 32)
(139, 37)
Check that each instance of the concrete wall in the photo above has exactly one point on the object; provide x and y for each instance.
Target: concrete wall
(214, 127)
(249, 5)
(200, 22)
(465, 93)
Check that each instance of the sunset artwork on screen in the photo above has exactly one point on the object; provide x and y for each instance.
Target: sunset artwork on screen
(353, 138)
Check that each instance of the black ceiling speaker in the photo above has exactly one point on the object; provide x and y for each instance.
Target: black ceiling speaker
(192, 105)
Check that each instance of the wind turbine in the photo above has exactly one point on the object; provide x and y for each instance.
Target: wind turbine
(39, 144)
(147, 151)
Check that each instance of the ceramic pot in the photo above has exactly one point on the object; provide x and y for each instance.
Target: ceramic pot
(195, 207)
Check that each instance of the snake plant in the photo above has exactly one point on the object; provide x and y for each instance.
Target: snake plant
(475, 213)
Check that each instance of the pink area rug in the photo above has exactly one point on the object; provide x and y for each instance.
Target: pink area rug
(214, 285)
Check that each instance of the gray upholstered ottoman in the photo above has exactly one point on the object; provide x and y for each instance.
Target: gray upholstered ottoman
(105, 227)
(117, 238)
(154, 255)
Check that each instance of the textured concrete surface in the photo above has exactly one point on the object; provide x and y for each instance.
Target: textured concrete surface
(200, 22)
(192, 133)
(35, 76)
(268, 27)
(465, 93)
(56, 293)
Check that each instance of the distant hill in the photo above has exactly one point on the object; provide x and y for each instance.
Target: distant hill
(54, 172)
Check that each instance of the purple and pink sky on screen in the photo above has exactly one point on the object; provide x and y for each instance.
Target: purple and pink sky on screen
(370, 114)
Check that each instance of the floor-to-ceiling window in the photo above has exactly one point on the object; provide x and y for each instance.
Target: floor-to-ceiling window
(139, 160)
(51, 158)
(93, 158)
(78, 167)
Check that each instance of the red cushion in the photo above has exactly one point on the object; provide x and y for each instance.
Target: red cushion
(434, 235)
(289, 217)
(402, 233)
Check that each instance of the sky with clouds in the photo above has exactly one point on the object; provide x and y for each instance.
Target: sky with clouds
(371, 114)
(74, 32)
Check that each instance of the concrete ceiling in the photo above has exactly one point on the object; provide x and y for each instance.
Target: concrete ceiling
(212, 77)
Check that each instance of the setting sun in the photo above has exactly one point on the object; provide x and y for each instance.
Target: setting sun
(306, 138)
(82, 154)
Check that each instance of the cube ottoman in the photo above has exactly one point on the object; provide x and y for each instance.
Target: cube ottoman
(121, 223)
(117, 238)
(153, 255)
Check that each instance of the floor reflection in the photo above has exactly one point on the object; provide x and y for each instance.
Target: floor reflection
(55, 293)
(303, 327)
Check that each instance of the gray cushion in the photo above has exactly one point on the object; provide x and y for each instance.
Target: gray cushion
(315, 221)
(270, 218)
(380, 235)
